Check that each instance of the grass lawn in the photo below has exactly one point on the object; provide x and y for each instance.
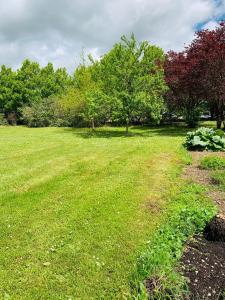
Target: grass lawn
(76, 209)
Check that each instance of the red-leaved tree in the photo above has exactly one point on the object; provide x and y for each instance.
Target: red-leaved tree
(197, 75)
(209, 49)
(182, 77)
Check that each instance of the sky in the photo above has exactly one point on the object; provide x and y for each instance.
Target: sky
(58, 31)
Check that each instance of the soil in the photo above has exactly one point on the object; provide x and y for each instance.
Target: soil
(215, 230)
(203, 261)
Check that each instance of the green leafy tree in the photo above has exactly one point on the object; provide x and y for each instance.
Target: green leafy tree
(28, 77)
(95, 101)
(63, 81)
(47, 81)
(132, 75)
(7, 82)
(69, 107)
(53, 82)
(10, 97)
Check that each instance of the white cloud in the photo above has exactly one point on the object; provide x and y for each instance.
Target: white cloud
(57, 30)
(210, 25)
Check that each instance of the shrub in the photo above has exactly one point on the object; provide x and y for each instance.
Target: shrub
(44, 113)
(213, 163)
(39, 114)
(205, 139)
(3, 121)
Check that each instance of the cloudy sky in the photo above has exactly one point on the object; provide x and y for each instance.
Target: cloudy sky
(58, 30)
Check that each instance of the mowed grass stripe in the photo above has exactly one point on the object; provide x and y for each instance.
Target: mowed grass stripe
(74, 219)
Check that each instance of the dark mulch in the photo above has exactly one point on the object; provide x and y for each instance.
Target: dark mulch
(203, 263)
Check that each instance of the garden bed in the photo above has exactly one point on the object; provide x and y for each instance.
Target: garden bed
(203, 261)
(198, 272)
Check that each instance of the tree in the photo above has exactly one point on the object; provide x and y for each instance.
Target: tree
(182, 74)
(208, 48)
(29, 84)
(28, 78)
(10, 97)
(95, 103)
(53, 82)
(63, 81)
(7, 82)
(132, 76)
(197, 75)
(47, 81)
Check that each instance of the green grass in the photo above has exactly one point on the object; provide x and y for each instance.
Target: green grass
(77, 208)
(218, 177)
(213, 163)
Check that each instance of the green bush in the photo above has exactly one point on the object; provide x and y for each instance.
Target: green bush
(3, 121)
(218, 177)
(39, 114)
(212, 163)
(43, 113)
(65, 110)
(204, 139)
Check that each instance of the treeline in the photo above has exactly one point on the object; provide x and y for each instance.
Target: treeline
(134, 83)
(126, 86)
(29, 85)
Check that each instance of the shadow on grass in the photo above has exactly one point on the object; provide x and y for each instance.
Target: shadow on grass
(134, 131)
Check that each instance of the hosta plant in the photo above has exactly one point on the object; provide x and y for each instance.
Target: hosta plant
(205, 139)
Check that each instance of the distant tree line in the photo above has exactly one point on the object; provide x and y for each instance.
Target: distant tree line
(28, 86)
(134, 83)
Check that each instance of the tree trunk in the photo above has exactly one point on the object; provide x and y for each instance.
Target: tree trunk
(218, 123)
(220, 114)
(191, 117)
(127, 126)
(93, 124)
(212, 114)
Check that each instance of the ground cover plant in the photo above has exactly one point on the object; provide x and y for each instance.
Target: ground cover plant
(77, 207)
(218, 177)
(205, 139)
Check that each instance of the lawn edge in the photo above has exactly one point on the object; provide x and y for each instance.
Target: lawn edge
(189, 209)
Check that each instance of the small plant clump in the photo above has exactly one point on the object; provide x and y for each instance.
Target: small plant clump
(213, 163)
(205, 139)
(218, 177)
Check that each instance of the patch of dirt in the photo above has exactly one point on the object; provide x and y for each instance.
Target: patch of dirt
(194, 173)
(203, 261)
(219, 199)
